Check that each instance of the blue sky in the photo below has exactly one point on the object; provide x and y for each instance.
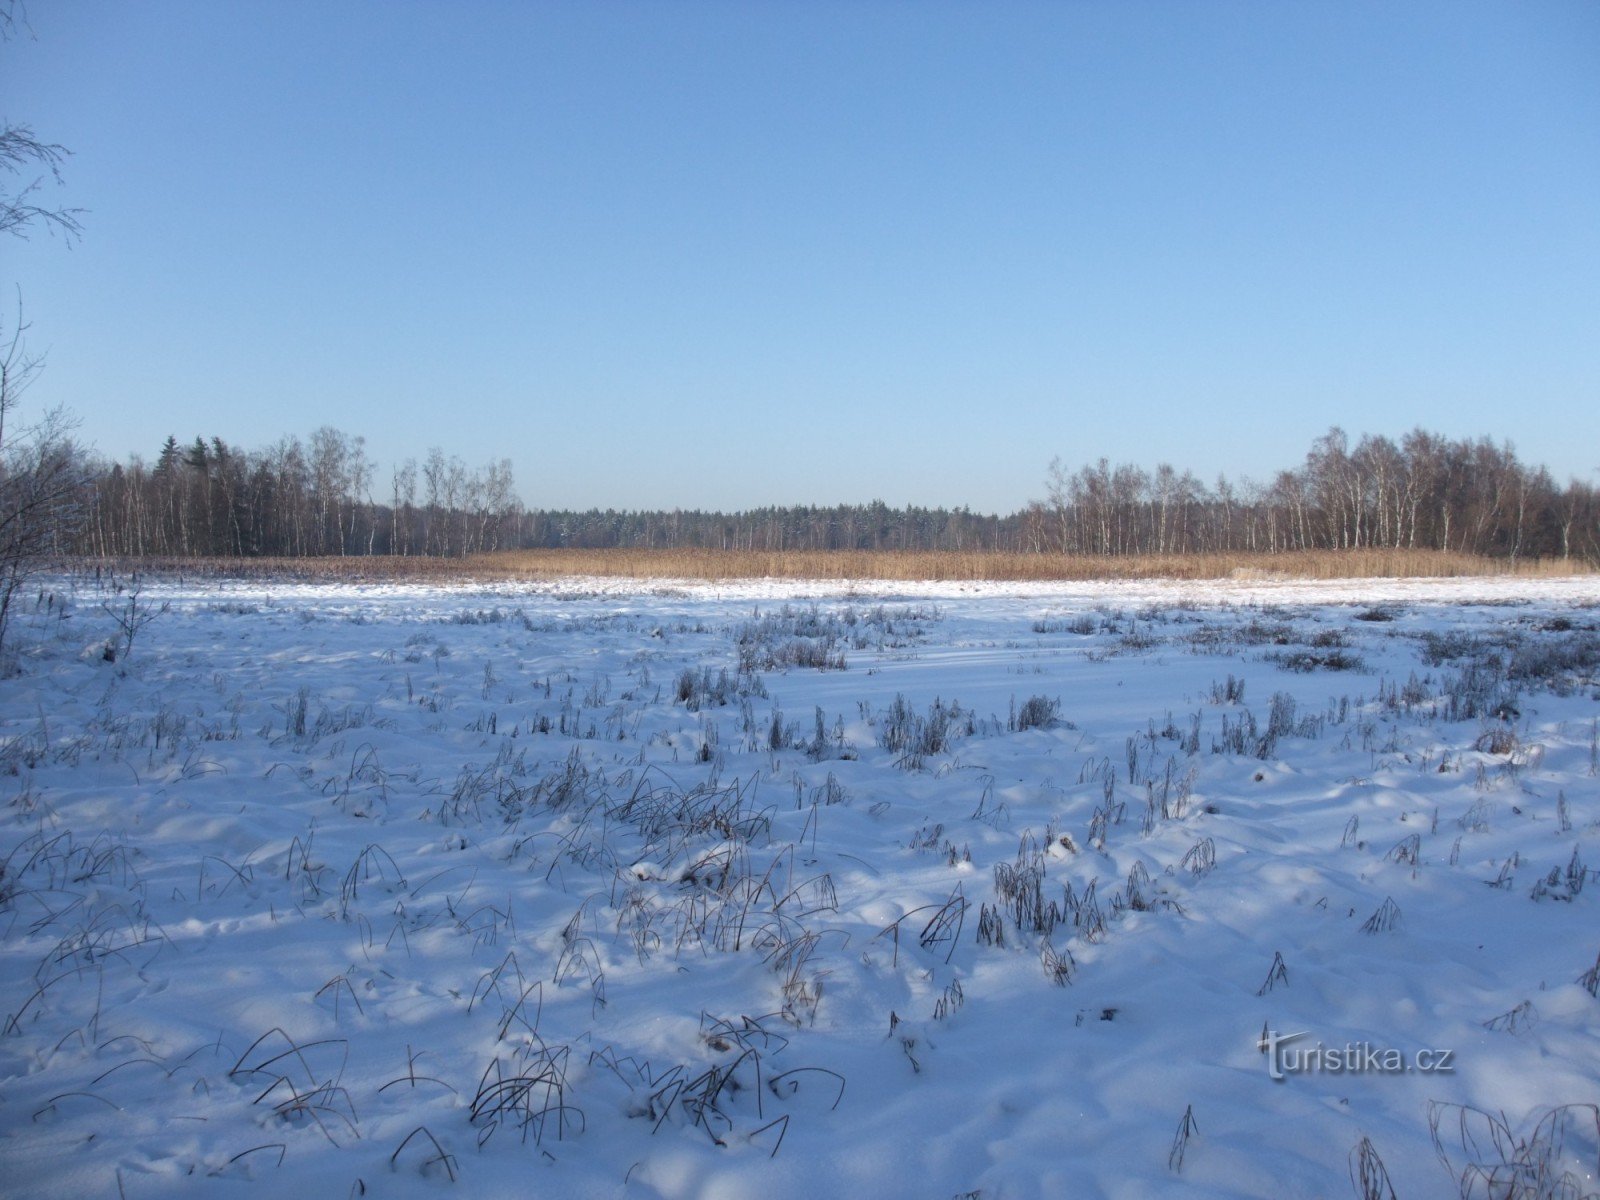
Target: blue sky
(688, 254)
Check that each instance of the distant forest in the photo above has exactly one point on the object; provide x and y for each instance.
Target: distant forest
(323, 496)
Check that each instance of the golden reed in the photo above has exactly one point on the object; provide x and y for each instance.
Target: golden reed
(858, 565)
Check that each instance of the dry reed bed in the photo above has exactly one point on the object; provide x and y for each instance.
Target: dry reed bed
(853, 565)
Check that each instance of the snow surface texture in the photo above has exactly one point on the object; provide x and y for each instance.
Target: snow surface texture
(789, 890)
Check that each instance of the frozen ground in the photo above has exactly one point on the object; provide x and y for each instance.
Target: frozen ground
(598, 889)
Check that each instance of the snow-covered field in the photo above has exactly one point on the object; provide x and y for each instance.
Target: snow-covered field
(787, 890)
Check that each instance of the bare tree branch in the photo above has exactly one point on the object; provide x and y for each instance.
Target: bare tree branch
(20, 150)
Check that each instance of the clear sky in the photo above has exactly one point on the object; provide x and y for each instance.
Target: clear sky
(691, 254)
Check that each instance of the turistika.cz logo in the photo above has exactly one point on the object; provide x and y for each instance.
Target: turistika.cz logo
(1288, 1054)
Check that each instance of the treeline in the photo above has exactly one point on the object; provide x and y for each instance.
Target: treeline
(324, 497)
(295, 499)
(873, 526)
(320, 497)
(1424, 493)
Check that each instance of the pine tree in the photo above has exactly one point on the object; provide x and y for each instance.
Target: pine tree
(167, 460)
